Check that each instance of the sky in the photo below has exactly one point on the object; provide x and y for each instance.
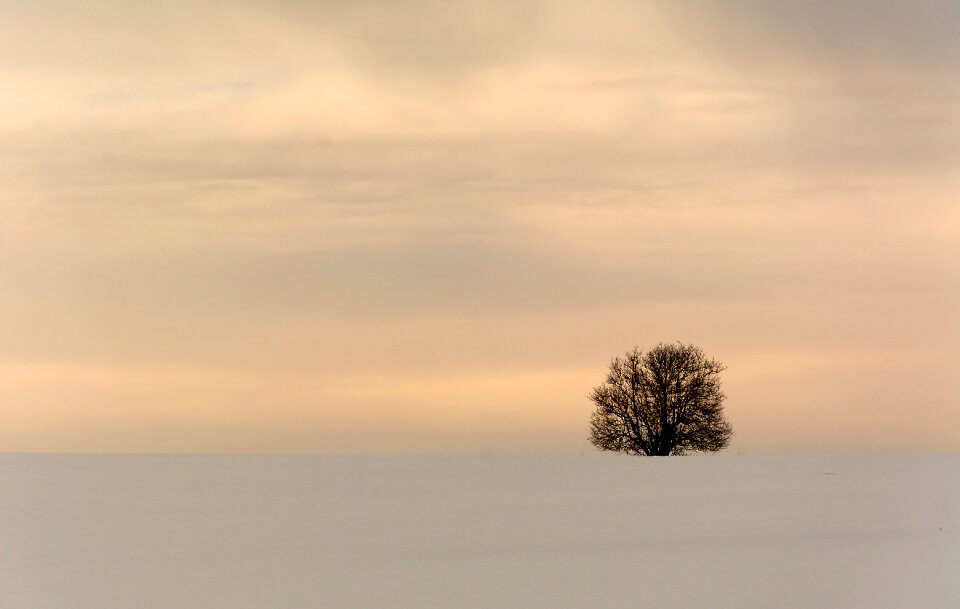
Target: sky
(427, 226)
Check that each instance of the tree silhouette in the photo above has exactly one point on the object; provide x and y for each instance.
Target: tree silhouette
(666, 401)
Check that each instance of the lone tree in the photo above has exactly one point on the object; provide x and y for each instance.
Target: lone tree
(666, 401)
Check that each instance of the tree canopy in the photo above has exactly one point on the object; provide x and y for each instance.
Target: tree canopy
(667, 401)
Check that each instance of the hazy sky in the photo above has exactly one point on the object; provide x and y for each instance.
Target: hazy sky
(427, 226)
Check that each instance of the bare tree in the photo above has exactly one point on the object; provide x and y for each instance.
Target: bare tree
(666, 401)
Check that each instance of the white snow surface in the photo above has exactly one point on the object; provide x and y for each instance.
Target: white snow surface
(237, 532)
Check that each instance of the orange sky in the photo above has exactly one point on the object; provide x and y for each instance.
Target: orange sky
(426, 227)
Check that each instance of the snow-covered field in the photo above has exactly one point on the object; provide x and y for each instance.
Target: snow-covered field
(279, 532)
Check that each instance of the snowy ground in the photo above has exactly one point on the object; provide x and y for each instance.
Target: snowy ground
(279, 532)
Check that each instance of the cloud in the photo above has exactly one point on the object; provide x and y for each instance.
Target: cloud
(444, 38)
(834, 37)
(456, 188)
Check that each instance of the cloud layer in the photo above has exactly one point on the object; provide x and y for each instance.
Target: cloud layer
(345, 226)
